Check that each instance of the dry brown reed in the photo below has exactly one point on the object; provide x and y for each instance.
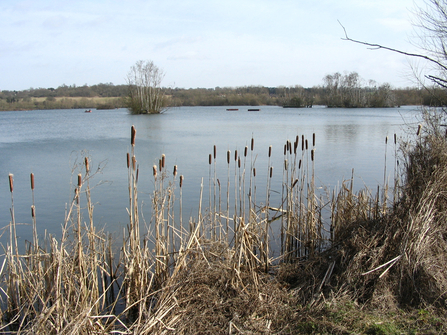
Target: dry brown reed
(213, 277)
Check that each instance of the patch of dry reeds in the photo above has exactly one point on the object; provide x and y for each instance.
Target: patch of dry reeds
(218, 273)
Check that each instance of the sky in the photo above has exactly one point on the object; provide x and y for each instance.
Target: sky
(203, 43)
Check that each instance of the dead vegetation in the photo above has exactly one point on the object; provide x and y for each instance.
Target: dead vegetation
(353, 262)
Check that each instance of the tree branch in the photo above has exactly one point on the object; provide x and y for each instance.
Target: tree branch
(378, 46)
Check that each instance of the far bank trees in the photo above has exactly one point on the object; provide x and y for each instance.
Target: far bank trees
(145, 94)
(349, 91)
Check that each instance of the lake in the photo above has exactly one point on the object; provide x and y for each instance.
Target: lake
(51, 144)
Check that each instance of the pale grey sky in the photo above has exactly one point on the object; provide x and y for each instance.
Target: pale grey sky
(201, 43)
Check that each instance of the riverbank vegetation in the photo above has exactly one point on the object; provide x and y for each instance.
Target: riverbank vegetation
(336, 92)
(331, 261)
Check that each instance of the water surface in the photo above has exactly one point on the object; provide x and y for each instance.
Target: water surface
(51, 143)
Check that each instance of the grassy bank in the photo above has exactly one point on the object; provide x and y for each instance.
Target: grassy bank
(369, 262)
(63, 103)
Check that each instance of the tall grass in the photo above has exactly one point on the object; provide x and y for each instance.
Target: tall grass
(79, 284)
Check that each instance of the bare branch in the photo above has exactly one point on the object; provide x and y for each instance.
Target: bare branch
(379, 46)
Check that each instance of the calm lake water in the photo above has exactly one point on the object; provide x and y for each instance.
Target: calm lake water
(50, 143)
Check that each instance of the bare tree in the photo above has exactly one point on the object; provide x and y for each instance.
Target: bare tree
(145, 93)
(431, 24)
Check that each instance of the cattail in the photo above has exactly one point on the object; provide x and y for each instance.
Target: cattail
(285, 149)
(11, 182)
(175, 170)
(270, 151)
(419, 130)
(286, 164)
(313, 139)
(239, 162)
(288, 145)
(87, 169)
(79, 180)
(228, 156)
(302, 142)
(163, 159)
(312, 155)
(159, 165)
(299, 165)
(294, 183)
(128, 160)
(181, 181)
(215, 152)
(32, 180)
(33, 211)
(395, 139)
(235, 155)
(210, 159)
(307, 146)
(386, 140)
(133, 132)
(254, 172)
(245, 151)
(295, 145)
(134, 163)
(154, 170)
(252, 143)
(271, 171)
(136, 177)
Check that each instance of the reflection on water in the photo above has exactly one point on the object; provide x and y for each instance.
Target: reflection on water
(50, 144)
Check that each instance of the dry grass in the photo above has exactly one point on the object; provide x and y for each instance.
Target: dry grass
(215, 274)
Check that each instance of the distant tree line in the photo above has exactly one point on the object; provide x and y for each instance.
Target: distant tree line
(338, 90)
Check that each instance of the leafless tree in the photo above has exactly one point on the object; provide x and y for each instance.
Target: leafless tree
(431, 32)
(145, 93)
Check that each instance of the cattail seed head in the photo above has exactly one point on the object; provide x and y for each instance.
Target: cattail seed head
(11, 182)
(159, 164)
(239, 162)
(181, 181)
(395, 139)
(254, 172)
(252, 143)
(235, 155)
(133, 132)
(128, 160)
(271, 171)
(134, 163)
(285, 149)
(312, 155)
(79, 180)
(286, 164)
(228, 156)
(32, 180)
(299, 165)
(386, 140)
(154, 170)
(215, 152)
(136, 177)
(245, 151)
(210, 158)
(294, 183)
(163, 160)
(419, 130)
(313, 139)
(307, 145)
(302, 142)
(33, 211)
(87, 168)
(175, 171)
(270, 151)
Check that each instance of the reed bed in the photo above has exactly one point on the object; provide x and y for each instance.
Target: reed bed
(221, 272)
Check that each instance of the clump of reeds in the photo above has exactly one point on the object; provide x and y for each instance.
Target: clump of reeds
(214, 273)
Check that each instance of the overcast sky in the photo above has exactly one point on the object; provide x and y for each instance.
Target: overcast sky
(201, 43)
